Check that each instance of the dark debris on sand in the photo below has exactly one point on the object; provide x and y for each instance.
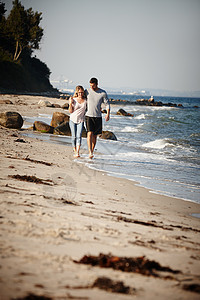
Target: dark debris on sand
(109, 285)
(194, 287)
(140, 265)
(29, 179)
(32, 160)
(155, 224)
(32, 297)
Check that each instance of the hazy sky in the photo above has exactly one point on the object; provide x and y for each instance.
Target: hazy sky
(151, 44)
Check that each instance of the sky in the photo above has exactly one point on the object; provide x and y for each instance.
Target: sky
(140, 44)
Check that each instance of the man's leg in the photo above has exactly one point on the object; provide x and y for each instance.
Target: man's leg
(89, 142)
(94, 140)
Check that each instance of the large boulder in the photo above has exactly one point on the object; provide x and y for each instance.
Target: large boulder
(11, 119)
(42, 127)
(58, 118)
(108, 135)
(64, 129)
(122, 112)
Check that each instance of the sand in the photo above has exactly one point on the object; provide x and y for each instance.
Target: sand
(47, 227)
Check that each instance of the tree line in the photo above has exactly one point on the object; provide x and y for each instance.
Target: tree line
(21, 34)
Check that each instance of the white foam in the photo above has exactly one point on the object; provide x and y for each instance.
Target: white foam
(129, 129)
(157, 144)
(140, 117)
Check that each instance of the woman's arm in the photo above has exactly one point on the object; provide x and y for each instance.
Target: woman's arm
(71, 106)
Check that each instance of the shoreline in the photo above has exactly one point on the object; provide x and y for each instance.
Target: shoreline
(112, 174)
(76, 211)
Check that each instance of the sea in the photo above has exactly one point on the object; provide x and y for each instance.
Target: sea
(158, 148)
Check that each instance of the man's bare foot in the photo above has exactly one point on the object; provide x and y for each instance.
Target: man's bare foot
(91, 155)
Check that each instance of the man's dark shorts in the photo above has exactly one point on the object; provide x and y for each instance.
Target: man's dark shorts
(94, 124)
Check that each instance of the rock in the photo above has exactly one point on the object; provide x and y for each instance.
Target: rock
(45, 103)
(108, 135)
(56, 105)
(180, 105)
(20, 141)
(42, 127)
(149, 102)
(64, 96)
(11, 119)
(6, 102)
(122, 112)
(64, 129)
(171, 104)
(141, 101)
(159, 103)
(65, 106)
(58, 118)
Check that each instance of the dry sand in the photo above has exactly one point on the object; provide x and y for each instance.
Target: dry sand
(77, 211)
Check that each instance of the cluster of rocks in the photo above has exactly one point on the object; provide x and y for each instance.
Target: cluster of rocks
(59, 124)
(118, 101)
(152, 102)
(147, 102)
(46, 103)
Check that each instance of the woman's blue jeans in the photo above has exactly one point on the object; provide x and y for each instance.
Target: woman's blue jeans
(76, 131)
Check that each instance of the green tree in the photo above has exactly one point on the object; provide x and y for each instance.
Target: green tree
(2, 10)
(23, 26)
(7, 42)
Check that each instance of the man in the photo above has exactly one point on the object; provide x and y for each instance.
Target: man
(95, 97)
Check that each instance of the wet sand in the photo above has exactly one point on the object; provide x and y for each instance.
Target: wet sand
(55, 211)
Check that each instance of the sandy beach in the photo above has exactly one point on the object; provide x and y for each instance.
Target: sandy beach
(71, 212)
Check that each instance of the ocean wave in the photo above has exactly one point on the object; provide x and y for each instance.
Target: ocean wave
(140, 117)
(157, 144)
(129, 129)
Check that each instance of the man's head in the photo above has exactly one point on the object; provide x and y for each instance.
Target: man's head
(94, 84)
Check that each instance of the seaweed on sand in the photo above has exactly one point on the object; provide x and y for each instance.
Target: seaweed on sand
(140, 265)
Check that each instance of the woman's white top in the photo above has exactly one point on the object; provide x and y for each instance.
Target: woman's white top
(78, 114)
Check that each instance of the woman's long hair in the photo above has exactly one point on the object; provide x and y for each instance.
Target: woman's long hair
(78, 88)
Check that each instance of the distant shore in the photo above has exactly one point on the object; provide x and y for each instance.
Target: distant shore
(55, 211)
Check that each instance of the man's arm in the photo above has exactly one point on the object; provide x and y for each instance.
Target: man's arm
(107, 117)
(106, 101)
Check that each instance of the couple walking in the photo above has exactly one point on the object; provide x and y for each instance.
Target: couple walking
(86, 106)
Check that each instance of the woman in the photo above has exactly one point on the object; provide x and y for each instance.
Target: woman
(77, 108)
